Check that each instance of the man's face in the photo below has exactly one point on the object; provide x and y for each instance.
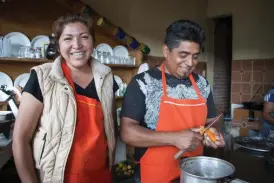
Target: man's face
(181, 61)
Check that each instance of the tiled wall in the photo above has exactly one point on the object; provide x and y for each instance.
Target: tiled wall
(247, 76)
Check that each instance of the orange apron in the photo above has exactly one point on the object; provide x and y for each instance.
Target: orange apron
(87, 161)
(158, 164)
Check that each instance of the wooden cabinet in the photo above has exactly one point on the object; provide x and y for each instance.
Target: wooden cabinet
(3, 106)
(242, 120)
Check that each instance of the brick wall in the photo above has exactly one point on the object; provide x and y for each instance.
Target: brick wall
(222, 86)
(222, 63)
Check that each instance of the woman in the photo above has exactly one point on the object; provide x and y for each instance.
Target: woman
(65, 120)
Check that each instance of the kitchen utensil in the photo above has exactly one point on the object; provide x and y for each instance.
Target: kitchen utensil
(252, 143)
(204, 169)
(204, 130)
(209, 133)
(178, 154)
(51, 51)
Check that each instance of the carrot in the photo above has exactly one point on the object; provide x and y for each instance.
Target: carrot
(211, 136)
(209, 133)
(202, 131)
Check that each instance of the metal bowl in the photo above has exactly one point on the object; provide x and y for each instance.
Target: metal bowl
(205, 169)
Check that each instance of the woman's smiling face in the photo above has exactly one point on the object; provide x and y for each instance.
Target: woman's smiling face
(76, 44)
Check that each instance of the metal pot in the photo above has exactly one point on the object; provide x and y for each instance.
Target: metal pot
(202, 169)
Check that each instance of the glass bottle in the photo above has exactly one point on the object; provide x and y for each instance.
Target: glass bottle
(52, 51)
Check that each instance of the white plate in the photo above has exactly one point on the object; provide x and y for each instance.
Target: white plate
(6, 80)
(39, 41)
(17, 40)
(21, 80)
(120, 51)
(103, 47)
(144, 67)
(118, 80)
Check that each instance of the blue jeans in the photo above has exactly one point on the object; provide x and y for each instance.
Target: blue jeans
(266, 128)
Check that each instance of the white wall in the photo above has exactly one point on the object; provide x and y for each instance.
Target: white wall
(253, 26)
(147, 19)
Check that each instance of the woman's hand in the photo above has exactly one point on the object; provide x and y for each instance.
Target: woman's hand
(219, 139)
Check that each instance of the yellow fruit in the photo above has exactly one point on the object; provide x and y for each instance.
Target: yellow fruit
(129, 167)
(120, 165)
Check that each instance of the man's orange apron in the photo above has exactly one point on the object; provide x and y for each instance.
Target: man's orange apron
(87, 161)
(158, 164)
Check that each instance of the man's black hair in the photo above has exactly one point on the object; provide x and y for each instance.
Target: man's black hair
(184, 30)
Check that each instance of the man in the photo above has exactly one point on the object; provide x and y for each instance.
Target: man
(162, 104)
(268, 122)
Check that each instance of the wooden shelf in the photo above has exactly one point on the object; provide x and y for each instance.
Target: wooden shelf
(23, 60)
(3, 103)
(41, 61)
(3, 106)
(122, 66)
(119, 97)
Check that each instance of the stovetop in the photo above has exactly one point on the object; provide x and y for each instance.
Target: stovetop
(268, 157)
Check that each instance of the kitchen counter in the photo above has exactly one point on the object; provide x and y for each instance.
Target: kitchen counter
(248, 168)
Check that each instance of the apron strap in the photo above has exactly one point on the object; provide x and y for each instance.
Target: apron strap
(163, 80)
(67, 75)
(195, 87)
(190, 77)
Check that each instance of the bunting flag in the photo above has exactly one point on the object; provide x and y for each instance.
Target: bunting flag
(117, 32)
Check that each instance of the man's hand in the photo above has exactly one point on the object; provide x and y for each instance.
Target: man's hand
(219, 139)
(187, 140)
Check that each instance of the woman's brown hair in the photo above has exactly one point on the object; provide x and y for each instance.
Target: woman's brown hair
(61, 22)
